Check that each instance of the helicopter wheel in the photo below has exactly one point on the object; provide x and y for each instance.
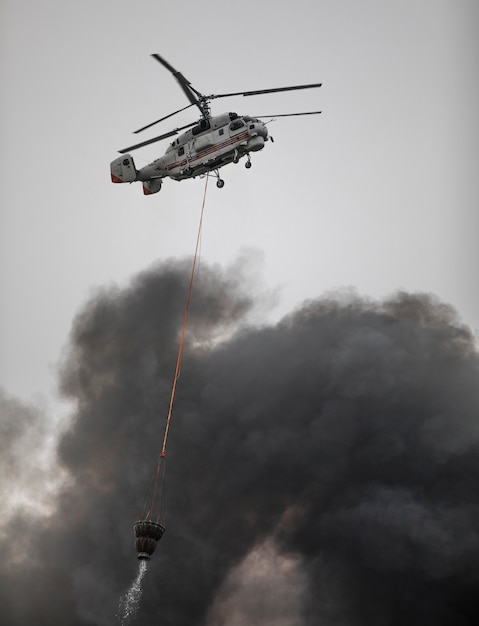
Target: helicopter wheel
(248, 164)
(220, 183)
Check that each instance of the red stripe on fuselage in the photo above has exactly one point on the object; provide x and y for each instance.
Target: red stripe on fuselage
(207, 151)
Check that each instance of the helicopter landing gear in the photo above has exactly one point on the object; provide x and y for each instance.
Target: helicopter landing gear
(248, 163)
(236, 157)
(219, 181)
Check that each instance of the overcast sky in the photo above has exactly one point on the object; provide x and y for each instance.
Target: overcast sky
(380, 192)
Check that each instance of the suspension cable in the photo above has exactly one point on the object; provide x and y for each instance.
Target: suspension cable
(178, 359)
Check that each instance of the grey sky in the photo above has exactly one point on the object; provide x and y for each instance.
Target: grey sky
(378, 193)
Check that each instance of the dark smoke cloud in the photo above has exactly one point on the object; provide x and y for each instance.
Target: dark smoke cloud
(324, 468)
(26, 460)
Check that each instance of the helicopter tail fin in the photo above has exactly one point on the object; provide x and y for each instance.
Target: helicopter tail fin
(123, 169)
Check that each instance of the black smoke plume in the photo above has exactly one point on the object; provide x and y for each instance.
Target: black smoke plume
(325, 467)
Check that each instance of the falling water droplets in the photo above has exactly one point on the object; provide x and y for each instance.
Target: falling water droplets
(130, 601)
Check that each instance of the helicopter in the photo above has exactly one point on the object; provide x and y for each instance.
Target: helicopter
(210, 142)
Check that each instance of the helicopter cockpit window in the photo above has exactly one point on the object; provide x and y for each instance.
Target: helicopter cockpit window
(233, 116)
(202, 126)
(236, 124)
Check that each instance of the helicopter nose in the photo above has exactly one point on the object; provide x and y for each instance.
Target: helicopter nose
(262, 130)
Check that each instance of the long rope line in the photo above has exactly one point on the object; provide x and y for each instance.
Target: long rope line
(178, 359)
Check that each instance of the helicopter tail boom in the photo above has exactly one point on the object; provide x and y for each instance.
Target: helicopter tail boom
(123, 170)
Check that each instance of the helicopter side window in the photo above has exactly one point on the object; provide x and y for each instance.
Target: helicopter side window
(221, 131)
(181, 150)
(236, 124)
(202, 126)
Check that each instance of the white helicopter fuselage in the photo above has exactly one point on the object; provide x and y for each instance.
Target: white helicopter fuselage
(208, 146)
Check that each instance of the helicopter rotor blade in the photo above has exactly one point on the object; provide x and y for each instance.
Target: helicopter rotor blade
(154, 139)
(262, 91)
(289, 114)
(163, 118)
(191, 93)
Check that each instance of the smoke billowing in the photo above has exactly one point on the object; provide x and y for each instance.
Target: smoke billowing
(323, 470)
